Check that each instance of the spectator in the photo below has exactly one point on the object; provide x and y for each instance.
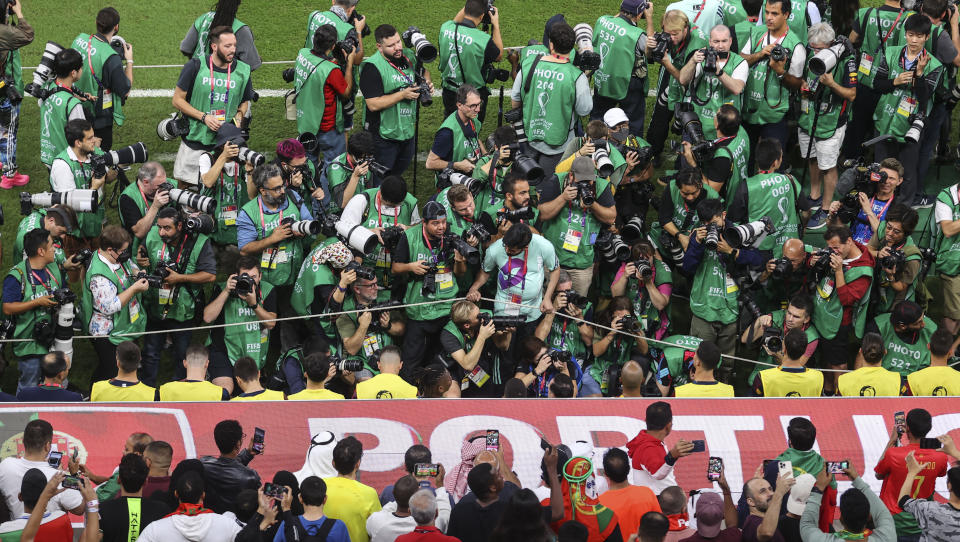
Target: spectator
(704, 382)
(938, 521)
(350, 501)
(227, 474)
(195, 387)
(423, 508)
(654, 527)
(126, 386)
(650, 457)
(415, 455)
(939, 378)
(789, 525)
(318, 372)
(387, 384)
(628, 501)
(791, 378)
(37, 443)
(579, 505)
(247, 375)
(631, 380)
(319, 460)
(387, 524)
(871, 379)
(158, 456)
(673, 504)
(523, 519)
(858, 506)
(191, 521)
(712, 509)
(562, 387)
(53, 367)
(313, 522)
(108, 487)
(54, 527)
(456, 483)
(126, 516)
(573, 531)
(764, 503)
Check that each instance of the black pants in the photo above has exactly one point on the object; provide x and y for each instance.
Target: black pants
(420, 344)
(634, 104)
(659, 127)
(450, 103)
(860, 127)
(394, 155)
(106, 360)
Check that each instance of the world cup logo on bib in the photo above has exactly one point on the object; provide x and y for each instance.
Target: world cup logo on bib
(542, 100)
(604, 49)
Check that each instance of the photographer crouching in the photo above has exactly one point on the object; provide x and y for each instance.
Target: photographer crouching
(481, 368)
(177, 253)
(899, 259)
(865, 206)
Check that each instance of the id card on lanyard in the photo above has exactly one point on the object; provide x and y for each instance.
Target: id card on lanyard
(228, 213)
(444, 278)
(134, 306)
(219, 114)
(573, 237)
(273, 255)
(107, 101)
(165, 294)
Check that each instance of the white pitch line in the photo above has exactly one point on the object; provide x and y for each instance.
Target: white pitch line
(264, 93)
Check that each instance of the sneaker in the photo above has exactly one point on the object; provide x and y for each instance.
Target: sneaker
(922, 201)
(6, 182)
(818, 221)
(814, 204)
(20, 179)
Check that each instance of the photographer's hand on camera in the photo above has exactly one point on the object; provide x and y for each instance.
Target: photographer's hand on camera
(587, 148)
(280, 233)
(160, 200)
(543, 365)
(473, 294)
(44, 302)
(419, 267)
(486, 331)
(688, 154)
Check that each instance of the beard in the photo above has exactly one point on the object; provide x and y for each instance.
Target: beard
(223, 58)
(270, 199)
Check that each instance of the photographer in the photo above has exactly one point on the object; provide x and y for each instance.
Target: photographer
(428, 262)
(623, 343)
(714, 292)
(516, 197)
(538, 366)
(671, 362)
(379, 210)
(243, 301)
(461, 210)
(769, 194)
(823, 113)
(57, 220)
(841, 299)
(947, 246)
(364, 334)
(140, 201)
(520, 281)
(574, 208)
(349, 173)
(105, 76)
(906, 333)
(27, 300)
(797, 315)
(466, 53)
(492, 169)
(316, 289)
(200, 37)
(61, 106)
(323, 84)
(551, 80)
(791, 378)
(566, 335)
(71, 170)
(185, 261)
(212, 90)
(13, 36)
(727, 168)
(390, 88)
(299, 175)
(621, 80)
(634, 169)
(767, 95)
(709, 90)
(678, 211)
(318, 371)
(893, 245)
(475, 353)
(791, 274)
(227, 181)
(289, 369)
(874, 210)
(112, 299)
(456, 145)
(343, 16)
(907, 78)
(648, 283)
(597, 135)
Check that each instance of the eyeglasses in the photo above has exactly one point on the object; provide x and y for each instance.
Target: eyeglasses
(475, 107)
(274, 189)
(371, 285)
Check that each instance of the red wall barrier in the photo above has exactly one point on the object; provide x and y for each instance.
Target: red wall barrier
(741, 431)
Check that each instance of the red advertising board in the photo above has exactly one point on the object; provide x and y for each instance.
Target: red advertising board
(741, 431)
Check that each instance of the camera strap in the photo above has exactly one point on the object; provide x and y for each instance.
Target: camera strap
(296, 90)
(529, 77)
(90, 62)
(456, 49)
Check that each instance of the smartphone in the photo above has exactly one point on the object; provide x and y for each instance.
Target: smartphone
(76, 453)
(258, 440)
(699, 446)
(714, 467)
(54, 459)
(493, 440)
(274, 490)
(71, 482)
(544, 444)
(899, 421)
(928, 443)
(837, 467)
(426, 470)
(767, 462)
(785, 469)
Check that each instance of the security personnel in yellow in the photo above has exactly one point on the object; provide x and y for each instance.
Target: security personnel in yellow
(791, 378)
(194, 387)
(703, 383)
(939, 379)
(248, 379)
(387, 384)
(125, 387)
(872, 380)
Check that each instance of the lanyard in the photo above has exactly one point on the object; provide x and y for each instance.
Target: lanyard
(436, 261)
(767, 36)
(883, 211)
(142, 195)
(473, 142)
(124, 277)
(40, 280)
(523, 269)
(90, 56)
(583, 216)
(402, 73)
(262, 223)
(916, 63)
(163, 251)
(226, 95)
(396, 216)
(883, 41)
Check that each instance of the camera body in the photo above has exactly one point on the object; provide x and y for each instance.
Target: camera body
(611, 247)
(515, 118)
(585, 192)
(154, 281)
(469, 253)
(644, 268)
(772, 338)
(422, 87)
(710, 58)
(516, 215)
(477, 231)
(782, 268)
(573, 298)
(894, 260)
(867, 180)
(778, 53)
(83, 257)
(629, 323)
(560, 357)
(663, 41)
(375, 167)
(712, 239)
(492, 74)
(429, 286)
(362, 272)
(199, 224)
(245, 285)
(391, 236)
(821, 263)
(501, 322)
(176, 125)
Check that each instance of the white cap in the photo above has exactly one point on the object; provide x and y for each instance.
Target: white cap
(799, 493)
(614, 116)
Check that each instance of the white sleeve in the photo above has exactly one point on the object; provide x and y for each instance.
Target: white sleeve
(77, 113)
(68, 500)
(799, 61)
(61, 176)
(515, 94)
(943, 212)
(443, 509)
(415, 217)
(747, 48)
(353, 212)
(813, 12)
(204, 164)
(741, 72)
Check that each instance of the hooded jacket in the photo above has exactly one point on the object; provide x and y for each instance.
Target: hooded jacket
(184, 528)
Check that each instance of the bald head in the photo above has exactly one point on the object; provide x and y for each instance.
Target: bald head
(390, 360)
(672, 500)
(720, 38)
(631, 379)
(793, 249)
(721, 31)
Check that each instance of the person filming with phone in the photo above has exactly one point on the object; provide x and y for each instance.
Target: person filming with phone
(648, 453)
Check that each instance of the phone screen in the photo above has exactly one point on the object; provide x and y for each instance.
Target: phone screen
(425, 470)
(258, 440)
(70, 482)
(54, 459)
(699, 446)
(714, 466)
(493, 440)
(899, 420)
(837, 467)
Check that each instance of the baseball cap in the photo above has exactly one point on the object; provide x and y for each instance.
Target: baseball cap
(291, 148)
(799, 493)
(228, 132)
(614, 116)
(433, 210)
(634, 7)
(583, 169)
(709, 514)
(906, 312)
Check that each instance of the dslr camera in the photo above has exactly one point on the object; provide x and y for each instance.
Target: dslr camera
(778, 53)
(585, 192)
(501, 322)
(134, 154)
(492, 74)
(352, 365)
(362, 272)
(245, 285)
(516, 215)
(660, 49)
(866, 180)
(154, 281)
(414, 39)
(772, 338)
(894, 260)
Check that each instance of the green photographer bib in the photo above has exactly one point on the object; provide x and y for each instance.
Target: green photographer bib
(565, 336)
(319, 18)
(766, 100)
(472, 45)
(445, 282)
(617, 354)
(948, 248)
(89, 224)
(397, 122)
(243, 334)
(738, 152)
(892, 115)
(797, 20)
(339, 172)
(833, 108)
(379, 259)
(373, 341)
(220, 97)
(130, 318)
(647, 313)
(95, 54)
(695, 41)
(827, 309)
(463, 147)
(615, 39)
(310, 77)
(179, 302)
(880, 30)
(574, 230)
(774, 195)
(901, 356)
(777, 322)
(230, 193)
(681, 349)
(26, 322)
(29, 223)
(549, 104)
(280, 262)
(54, 113)
(712, 91)
(713, 296)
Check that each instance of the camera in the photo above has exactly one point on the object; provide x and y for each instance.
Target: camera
(587, 59)
(302, 227)
(134, 154)
(782, 268)
(249, 156)
(477, 231)
(827, 59)
(778, 53)
(515, 118)
(449, 177)
(81, 201)
(632, 230)
(349, 43)
(713, 237)
(894, 260)
(491, 74)
(362, 272)
(916, 127)
(163, 269)
(663, 41)
(10, 91)
(118, 44)
(354, 17)
(200, 224)
(245, 285)
(867, 179)
(750, 305)
(772, 338)
(414, 39)
(501, 322)
(351, 365)
(357, 237)
(750, 234)
(644, 154)
(709, 60)
(378, 169)
(573, 298)
(528, 168)
(421, 86)
(62, 296)
(559, 357)
(82, 257)
(517, 215)
(174, 126)
(391, 236)
(671, 249)
(469, 253)
(644, 268)
(821, 263)
(601, 157)
(154, 281)
(585, 192)
(430, 281)
(289, 74)
(612, 248)
(42, 73)
(629, 322)
(186, 198)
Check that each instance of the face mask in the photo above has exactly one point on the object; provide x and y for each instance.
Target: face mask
(123, 256)
(619, 136)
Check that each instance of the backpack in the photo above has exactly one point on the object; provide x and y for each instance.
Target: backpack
(294, 531)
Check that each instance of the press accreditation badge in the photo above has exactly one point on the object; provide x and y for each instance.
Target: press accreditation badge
(513, 308)
(165, 295)
(134, 311)
(478, 376)
(571, 240)
(107, 99)
(731, 285)
(370, 345)
(866, 64)
(907, 106)
(228, 215)
(220, 114)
